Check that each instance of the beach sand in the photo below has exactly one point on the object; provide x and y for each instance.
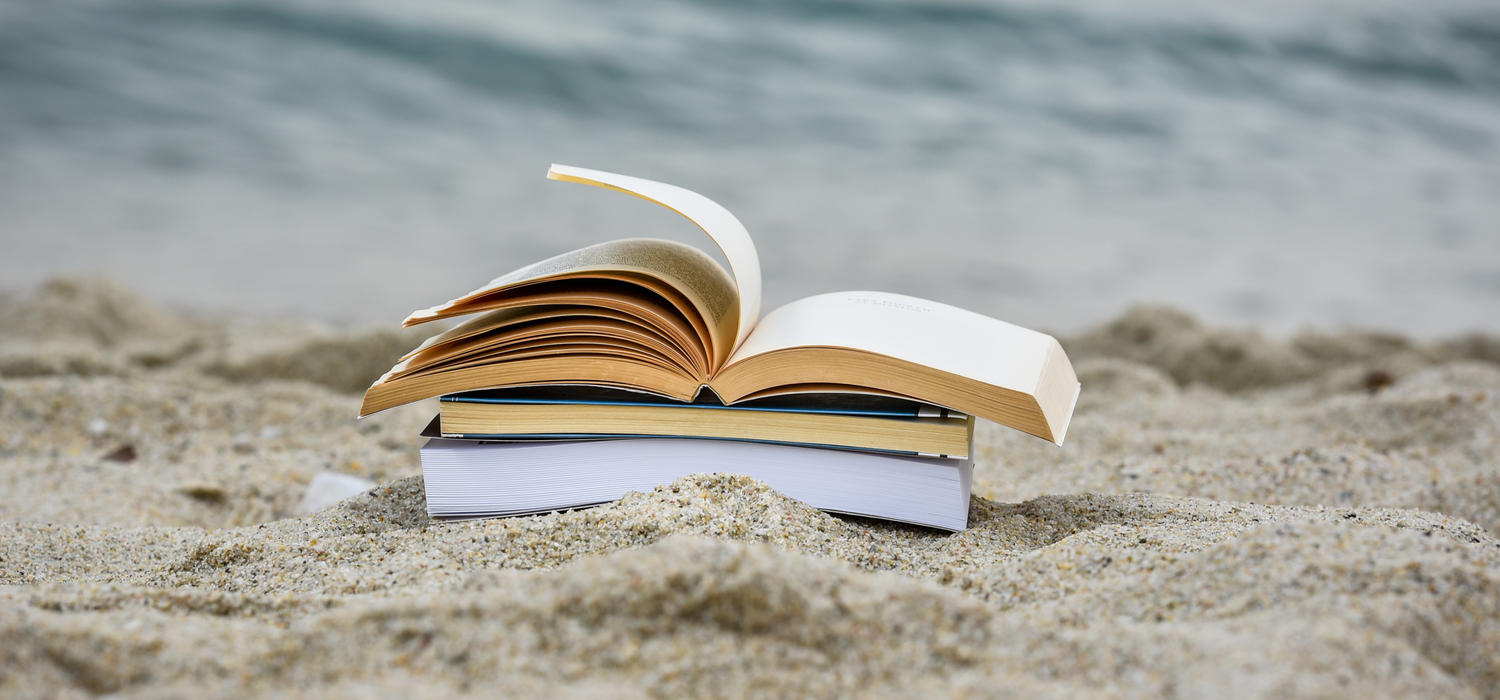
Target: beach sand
(1232, 515)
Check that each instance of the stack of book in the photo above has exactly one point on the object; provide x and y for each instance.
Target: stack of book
(628, 364)
(517, 451)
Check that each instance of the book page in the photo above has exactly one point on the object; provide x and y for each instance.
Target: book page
(922, 332)
(716, 221)
(685, 269)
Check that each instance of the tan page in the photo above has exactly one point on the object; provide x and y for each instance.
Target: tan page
(716, 221)
(682, 267)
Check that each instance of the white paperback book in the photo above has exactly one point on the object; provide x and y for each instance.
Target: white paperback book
(469, 479)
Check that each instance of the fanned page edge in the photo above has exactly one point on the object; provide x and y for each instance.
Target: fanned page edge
(713, 219)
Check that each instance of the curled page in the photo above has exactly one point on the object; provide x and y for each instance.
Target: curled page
(716, 221)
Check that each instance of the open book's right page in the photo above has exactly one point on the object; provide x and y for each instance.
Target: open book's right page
(926, 333)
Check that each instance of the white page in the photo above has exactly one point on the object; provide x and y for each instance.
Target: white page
(716, 221)
(923, 332)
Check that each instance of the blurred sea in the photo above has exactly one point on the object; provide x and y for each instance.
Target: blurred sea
(1278, 163)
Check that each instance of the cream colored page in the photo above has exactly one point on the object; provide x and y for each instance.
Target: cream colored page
(716, 221)
(923, 332)
(686, 268)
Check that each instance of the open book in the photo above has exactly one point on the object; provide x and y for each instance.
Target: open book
(665, 318)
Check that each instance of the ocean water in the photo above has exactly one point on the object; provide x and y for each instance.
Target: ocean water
(1276, 163)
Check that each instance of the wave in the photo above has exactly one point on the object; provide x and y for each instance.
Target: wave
(676, 65)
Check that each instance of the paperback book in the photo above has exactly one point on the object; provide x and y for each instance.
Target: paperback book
(851, 421)
(475, 479)
(663, 317)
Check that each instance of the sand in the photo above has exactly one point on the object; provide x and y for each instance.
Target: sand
(1233, 515)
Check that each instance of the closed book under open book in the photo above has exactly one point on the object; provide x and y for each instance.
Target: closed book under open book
(473, 479)
(852, 421)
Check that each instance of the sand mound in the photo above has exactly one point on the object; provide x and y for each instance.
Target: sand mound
(718, 585)
(87, 327)
(1240, 360)
(349, 363)
(93, 311)
(84, 327)
(1175, 343)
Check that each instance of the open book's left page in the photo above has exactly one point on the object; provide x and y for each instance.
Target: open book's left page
(675, 273)
(647, 313)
